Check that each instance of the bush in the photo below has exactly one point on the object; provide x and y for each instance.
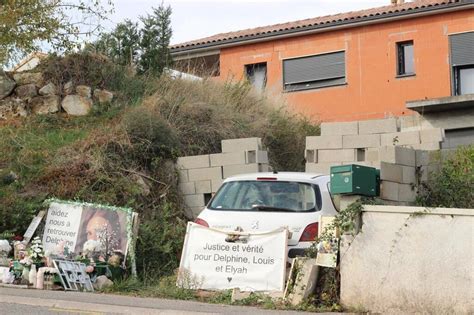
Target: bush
(452, 186)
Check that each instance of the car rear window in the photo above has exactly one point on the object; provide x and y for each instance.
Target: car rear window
(267, 195)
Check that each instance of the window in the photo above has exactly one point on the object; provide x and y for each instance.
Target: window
(405, 59)
(257, 75)
(267, 196)
(457, 137)
(462, 62)
(314, 71)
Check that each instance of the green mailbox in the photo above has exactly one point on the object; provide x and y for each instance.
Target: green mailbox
(355, 179)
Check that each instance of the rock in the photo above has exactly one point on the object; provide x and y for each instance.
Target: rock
(44, 104)
(23, 78)
(48, 89)
(102, 282)
(12, 107)
(83, 90)
(6, 85)
(26, 91)
(103, 96)
(76, 105)
(68, 88)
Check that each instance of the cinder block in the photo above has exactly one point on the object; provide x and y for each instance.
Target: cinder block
(311, 156)
(187, 188)
(256, 156)
(230, 158)
(205, 173)
(428, 146)
(216, 184)
(183, 176)
(400, 138)
(391, 172)
(397, 155)
(347, 200)
(339, 128)
(265, 168)
(424, 157)
(342, 155)
(406, 192)
(409, 123)
(427, 171)
(388, 125)
(409, 174)
(195, 161)
(324, 142)
(194, 200)
(361, 141)
(431, 135)
(320, 168)
(231, 170)
(195, 211)
(203, 187)
(389, 190)
(372, 155)
(243, 144)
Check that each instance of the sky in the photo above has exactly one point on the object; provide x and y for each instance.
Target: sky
(194, 19)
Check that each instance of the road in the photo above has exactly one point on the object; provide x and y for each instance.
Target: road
(24, 301)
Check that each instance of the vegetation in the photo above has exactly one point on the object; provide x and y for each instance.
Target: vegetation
(145, 49)
(25, 24)
(451, 186)
(123, 154)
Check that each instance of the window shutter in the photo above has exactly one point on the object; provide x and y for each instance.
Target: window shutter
(314, 68)
(462, 49)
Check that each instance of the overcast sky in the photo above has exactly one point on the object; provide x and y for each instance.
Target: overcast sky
(193, 19)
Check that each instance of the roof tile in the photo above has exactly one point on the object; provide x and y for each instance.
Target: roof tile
(328, 19)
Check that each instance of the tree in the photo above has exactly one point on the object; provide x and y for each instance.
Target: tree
(156, 35)
(26, 25)
(121, 45)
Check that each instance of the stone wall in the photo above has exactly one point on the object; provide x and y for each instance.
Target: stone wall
(26, 93)
(200, 176)
(403, 156)
(410, 260)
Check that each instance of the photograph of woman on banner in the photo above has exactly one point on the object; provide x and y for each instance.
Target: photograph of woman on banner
(103, 227)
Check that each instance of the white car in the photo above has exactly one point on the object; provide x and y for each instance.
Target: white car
(267, 201)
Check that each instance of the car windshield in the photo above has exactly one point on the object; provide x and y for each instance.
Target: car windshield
(265, 196)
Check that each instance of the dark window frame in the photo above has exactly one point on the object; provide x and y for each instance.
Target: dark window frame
(401, 58)
(249, 69)
(457, 77)
(317, 83)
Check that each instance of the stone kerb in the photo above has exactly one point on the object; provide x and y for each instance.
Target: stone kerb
(200, 176)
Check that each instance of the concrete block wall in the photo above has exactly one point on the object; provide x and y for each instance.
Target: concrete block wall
(399, 154)
(200, 176)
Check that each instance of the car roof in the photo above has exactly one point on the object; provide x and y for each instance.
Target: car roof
(278, 176)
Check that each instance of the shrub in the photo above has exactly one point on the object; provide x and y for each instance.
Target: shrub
(452, 186)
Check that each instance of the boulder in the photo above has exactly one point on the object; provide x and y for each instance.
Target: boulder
(76, 105)
(83, 90)
(103, 96)
(68, 88)
(26, 91)
(23, 78)
(6, 85)
(12, 107)
(44, 104)
(102, 282)
(48, 89)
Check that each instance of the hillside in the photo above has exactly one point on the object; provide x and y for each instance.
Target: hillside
(123, 152)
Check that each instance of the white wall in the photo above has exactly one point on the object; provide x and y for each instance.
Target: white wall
(402, 262)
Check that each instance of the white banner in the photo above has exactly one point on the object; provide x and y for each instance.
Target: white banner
(218, 260)
(72, 224)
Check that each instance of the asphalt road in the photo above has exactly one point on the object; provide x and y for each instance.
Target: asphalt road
(30, 301)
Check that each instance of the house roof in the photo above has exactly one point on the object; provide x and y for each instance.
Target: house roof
(374, 14)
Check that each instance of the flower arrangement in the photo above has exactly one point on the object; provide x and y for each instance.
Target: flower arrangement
(36, 252)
